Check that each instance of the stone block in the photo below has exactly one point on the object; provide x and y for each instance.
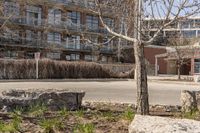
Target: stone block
(155, 124)
(53, 99)
(188, 101)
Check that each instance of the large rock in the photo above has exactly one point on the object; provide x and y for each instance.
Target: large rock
(53, 99)
(188, 101)
(196, 78)
(155, 124)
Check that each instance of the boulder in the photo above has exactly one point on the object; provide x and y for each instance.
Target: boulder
(53, 99)
(196, 78)
(188, 101)
(155, 124)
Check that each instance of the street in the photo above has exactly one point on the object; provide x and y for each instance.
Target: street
(164, 93)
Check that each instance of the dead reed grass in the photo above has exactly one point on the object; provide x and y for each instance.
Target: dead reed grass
(49, 69)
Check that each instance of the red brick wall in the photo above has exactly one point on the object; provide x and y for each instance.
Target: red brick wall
(151, 52)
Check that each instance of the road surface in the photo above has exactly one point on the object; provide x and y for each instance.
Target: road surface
(164, 93)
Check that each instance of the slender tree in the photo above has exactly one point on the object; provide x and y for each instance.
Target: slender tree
(138, 16)
(182, 50)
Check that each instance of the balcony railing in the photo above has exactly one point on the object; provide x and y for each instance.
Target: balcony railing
(38, 43)
(79, 3)
(59, 25)
(106, 50)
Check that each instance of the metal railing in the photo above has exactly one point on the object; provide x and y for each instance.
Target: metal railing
(79, 3)
(60, 25)
(38, 43)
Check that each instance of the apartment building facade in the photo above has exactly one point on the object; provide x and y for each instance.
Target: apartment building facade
(58, 29)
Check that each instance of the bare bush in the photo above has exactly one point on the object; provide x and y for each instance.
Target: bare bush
(49, 69)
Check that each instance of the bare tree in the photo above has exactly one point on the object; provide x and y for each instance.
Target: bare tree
(134, 14)
(182, 50)
(131, 16)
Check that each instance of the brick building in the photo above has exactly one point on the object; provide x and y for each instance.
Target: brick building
(56, 28)
(187, 28)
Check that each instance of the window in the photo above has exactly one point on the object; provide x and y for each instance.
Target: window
(109, 22)
(94, 58)
(33, 15)
(33, 36)
(12, 34)
(74, 17)
(54, 38)
(54, 17)
(88, 57)
(189, 34)
(197, 23)
(197, 66)
(10, 54)
(60, 1)
(186, 24)
(91, 4)
(73, 42)
(92, 22)
(73, 57)
(68, 57)
(104, 59)
(53, 56)
(11, 8)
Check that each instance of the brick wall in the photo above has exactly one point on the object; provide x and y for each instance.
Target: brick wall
(150, 53)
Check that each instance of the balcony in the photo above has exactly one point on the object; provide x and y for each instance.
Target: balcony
(58, 26)
(38, 43)
(79, 3)
(106, 50)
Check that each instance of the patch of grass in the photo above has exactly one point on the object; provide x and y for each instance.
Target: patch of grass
(50, 125)
(7, 128)
(14, 125)
(194, 114)
(80, 113)
(109, 116)
(64, 113)
(37, 110)
(84, 128)
(128, 114)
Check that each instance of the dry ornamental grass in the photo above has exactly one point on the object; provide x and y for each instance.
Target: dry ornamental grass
(49, 69)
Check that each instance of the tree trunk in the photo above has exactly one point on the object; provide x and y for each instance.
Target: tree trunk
(141, 79)
(179, 73)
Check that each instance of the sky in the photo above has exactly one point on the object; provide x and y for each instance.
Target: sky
(159, 8)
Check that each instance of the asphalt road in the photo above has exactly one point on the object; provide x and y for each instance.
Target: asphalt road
(164, 93)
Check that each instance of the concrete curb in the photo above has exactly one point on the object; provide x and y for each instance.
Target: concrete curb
(64, 80)
(174, 82)
(98, 80)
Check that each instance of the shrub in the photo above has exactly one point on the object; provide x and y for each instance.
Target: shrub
(49, 69)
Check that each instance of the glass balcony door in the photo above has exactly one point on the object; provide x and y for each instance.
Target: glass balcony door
(73, 42)
(54, 17)
(33, 15)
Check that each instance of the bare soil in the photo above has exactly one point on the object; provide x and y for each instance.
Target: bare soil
(91, 118)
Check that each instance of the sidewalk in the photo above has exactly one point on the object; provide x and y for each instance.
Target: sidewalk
(171, 77)
(185, 79)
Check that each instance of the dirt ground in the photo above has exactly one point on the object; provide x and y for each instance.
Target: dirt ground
(91, 118)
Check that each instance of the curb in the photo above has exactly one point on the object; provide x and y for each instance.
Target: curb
(64, 80)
